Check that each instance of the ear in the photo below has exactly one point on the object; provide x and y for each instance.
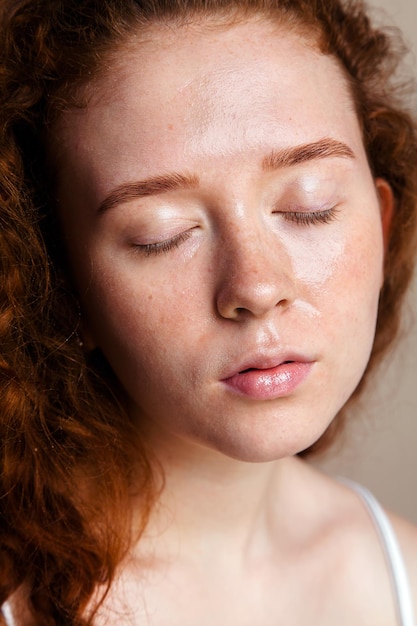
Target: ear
(386, 204)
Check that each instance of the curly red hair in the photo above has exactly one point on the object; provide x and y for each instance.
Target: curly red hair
(69, 457)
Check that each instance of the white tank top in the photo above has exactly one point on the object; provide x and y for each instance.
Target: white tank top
(399, 579)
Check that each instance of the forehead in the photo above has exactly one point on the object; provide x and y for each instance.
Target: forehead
(172, 94)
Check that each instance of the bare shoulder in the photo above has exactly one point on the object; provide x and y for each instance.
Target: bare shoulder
(371, 556)
(357, 572)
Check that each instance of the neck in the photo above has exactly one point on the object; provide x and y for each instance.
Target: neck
(209, 498)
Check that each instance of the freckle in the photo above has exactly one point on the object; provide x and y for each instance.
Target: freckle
(150, 297)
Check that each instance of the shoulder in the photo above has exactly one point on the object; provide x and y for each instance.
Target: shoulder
(370, 533)
(357, 574)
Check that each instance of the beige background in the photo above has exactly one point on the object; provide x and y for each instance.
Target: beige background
(380, 449)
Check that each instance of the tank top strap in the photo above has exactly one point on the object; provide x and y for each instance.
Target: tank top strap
(6, 614)
(392, 550)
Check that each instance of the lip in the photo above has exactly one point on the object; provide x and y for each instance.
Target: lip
(266, 379)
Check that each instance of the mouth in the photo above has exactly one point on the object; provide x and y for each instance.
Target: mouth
(260, 369)
(269, 380)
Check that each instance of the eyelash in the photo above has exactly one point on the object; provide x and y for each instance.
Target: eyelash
(302, 218)
(308, 218)
(162, 247)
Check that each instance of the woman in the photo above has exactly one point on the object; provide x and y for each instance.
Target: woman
(208, 226)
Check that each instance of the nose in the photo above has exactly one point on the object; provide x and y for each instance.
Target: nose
(255, 277)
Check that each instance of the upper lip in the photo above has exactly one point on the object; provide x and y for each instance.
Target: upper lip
(264, 362)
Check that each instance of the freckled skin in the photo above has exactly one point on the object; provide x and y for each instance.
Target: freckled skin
(246, 279)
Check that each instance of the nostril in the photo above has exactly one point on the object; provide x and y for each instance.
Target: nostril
(240, 297)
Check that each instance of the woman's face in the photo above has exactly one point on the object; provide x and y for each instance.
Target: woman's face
(225, 235)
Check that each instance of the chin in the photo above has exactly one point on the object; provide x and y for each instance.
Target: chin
(266, 450)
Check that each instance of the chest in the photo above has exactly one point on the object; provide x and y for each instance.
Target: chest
(301, 592)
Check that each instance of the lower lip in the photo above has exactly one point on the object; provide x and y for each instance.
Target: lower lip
(269, 384)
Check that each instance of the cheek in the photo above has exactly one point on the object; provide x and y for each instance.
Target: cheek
(348, 263)
(317, 263)
(131, 315)
(341, 277)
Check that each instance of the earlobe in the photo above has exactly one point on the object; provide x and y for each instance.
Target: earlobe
(386, 203)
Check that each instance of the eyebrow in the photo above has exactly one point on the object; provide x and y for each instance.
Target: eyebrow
(150, 187)
(276, 159)
(324, 148)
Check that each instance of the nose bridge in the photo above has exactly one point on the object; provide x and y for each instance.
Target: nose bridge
(250, 254)
(255, 271)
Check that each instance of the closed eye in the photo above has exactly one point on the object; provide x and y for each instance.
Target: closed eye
(162, 247)
(308, 218)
